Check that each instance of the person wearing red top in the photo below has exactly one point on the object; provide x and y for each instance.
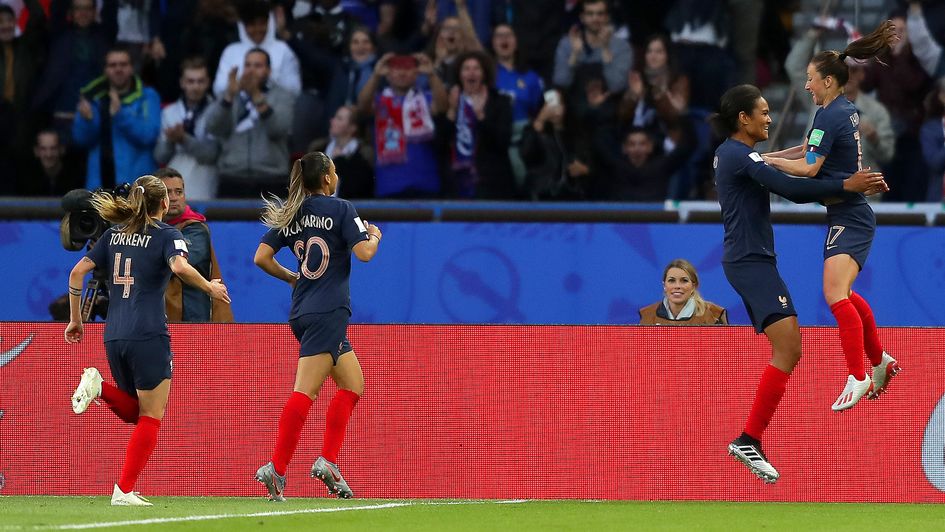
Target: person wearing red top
(182, 302)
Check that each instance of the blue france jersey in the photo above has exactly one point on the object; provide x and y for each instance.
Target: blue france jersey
(321, 237)
(835, 134)
(746, 207)
(137, 268)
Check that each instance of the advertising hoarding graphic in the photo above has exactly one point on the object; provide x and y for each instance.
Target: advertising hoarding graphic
(473, 411)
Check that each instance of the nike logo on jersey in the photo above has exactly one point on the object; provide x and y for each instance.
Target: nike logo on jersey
(833, 246)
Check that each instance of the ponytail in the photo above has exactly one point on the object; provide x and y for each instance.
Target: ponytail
(304, 177)
(134, 213)
(833, 63)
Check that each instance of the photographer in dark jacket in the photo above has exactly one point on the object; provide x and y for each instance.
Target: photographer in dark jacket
(182, 301)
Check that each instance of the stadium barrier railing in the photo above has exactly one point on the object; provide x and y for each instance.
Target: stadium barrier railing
(927, 214)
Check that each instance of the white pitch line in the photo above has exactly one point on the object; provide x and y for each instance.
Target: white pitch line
(163, 520)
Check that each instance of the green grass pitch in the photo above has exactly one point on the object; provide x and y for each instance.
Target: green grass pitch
(235, 514)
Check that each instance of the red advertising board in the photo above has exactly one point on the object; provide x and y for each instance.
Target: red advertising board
(599, 412)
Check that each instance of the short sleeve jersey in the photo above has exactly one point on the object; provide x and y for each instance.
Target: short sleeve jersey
(835, 135)
(321, 237)
(138, 270)
(746, 206)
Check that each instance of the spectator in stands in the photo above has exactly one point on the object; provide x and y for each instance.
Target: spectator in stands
(523, 86)
(878, 140)
(353, 157)
(537, 25)
(700, 31)
(406, 164)
(398, 28)
(682, 304)
(593, 42)
(213, 28)
(252, 120)
(667, 89)
(926, 49)
(118, 121)
(900, 85)
(49, 172)
(129, 24)
(933, 141)
(327, 25)
(639, 173)
(20, 59)
(184, 142)
(657, 95)
(553, 169)
(182, 301)
(167, 50)
(357, 65)
(479, 131)
(75, 59)
(257, 29)
(452, 36)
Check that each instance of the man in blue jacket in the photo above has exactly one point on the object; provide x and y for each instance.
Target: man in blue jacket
(118, 121)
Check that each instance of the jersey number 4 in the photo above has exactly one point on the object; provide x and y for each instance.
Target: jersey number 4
(125, 280)
(304, 251)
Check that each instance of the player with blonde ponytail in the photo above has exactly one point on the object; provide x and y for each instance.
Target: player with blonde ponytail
(322, 231)
(138, 254)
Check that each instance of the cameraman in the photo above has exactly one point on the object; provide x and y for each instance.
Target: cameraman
(183, 302)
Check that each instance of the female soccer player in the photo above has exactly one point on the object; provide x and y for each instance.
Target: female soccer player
(138, 255)
(321, 231)
(833, 151)
(743, 181)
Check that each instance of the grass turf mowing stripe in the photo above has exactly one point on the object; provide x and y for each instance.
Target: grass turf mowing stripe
(275, 513)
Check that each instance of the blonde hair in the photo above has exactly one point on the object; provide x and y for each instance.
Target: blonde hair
(134, 213)
(305, 176)
(690, 270)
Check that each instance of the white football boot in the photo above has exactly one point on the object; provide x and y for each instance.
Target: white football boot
(89, 388)
(132, 498)
(852, 393)
(882, 374)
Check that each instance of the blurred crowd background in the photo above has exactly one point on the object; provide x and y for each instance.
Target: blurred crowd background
(494, 99)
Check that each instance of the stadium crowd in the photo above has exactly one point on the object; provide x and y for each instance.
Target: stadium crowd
(498, 99)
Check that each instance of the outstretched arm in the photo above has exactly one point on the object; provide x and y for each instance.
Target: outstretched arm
(810, 190)
(181, 268)
(265, 258)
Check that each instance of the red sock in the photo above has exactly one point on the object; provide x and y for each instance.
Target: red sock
(336, 421)
(851, 336)
(770, 391)
(290, 428)
(874, 348)
(123, 405)
(140, 447)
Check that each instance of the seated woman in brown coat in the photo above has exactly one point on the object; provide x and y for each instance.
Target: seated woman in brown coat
(682, 304)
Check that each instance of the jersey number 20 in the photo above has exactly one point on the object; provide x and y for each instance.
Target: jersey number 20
(127, 280)
(304, 251)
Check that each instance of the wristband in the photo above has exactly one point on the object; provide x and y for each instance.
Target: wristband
(375, 236)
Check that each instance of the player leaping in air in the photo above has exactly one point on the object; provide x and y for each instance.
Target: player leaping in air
(744, 181)
(833, 152)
